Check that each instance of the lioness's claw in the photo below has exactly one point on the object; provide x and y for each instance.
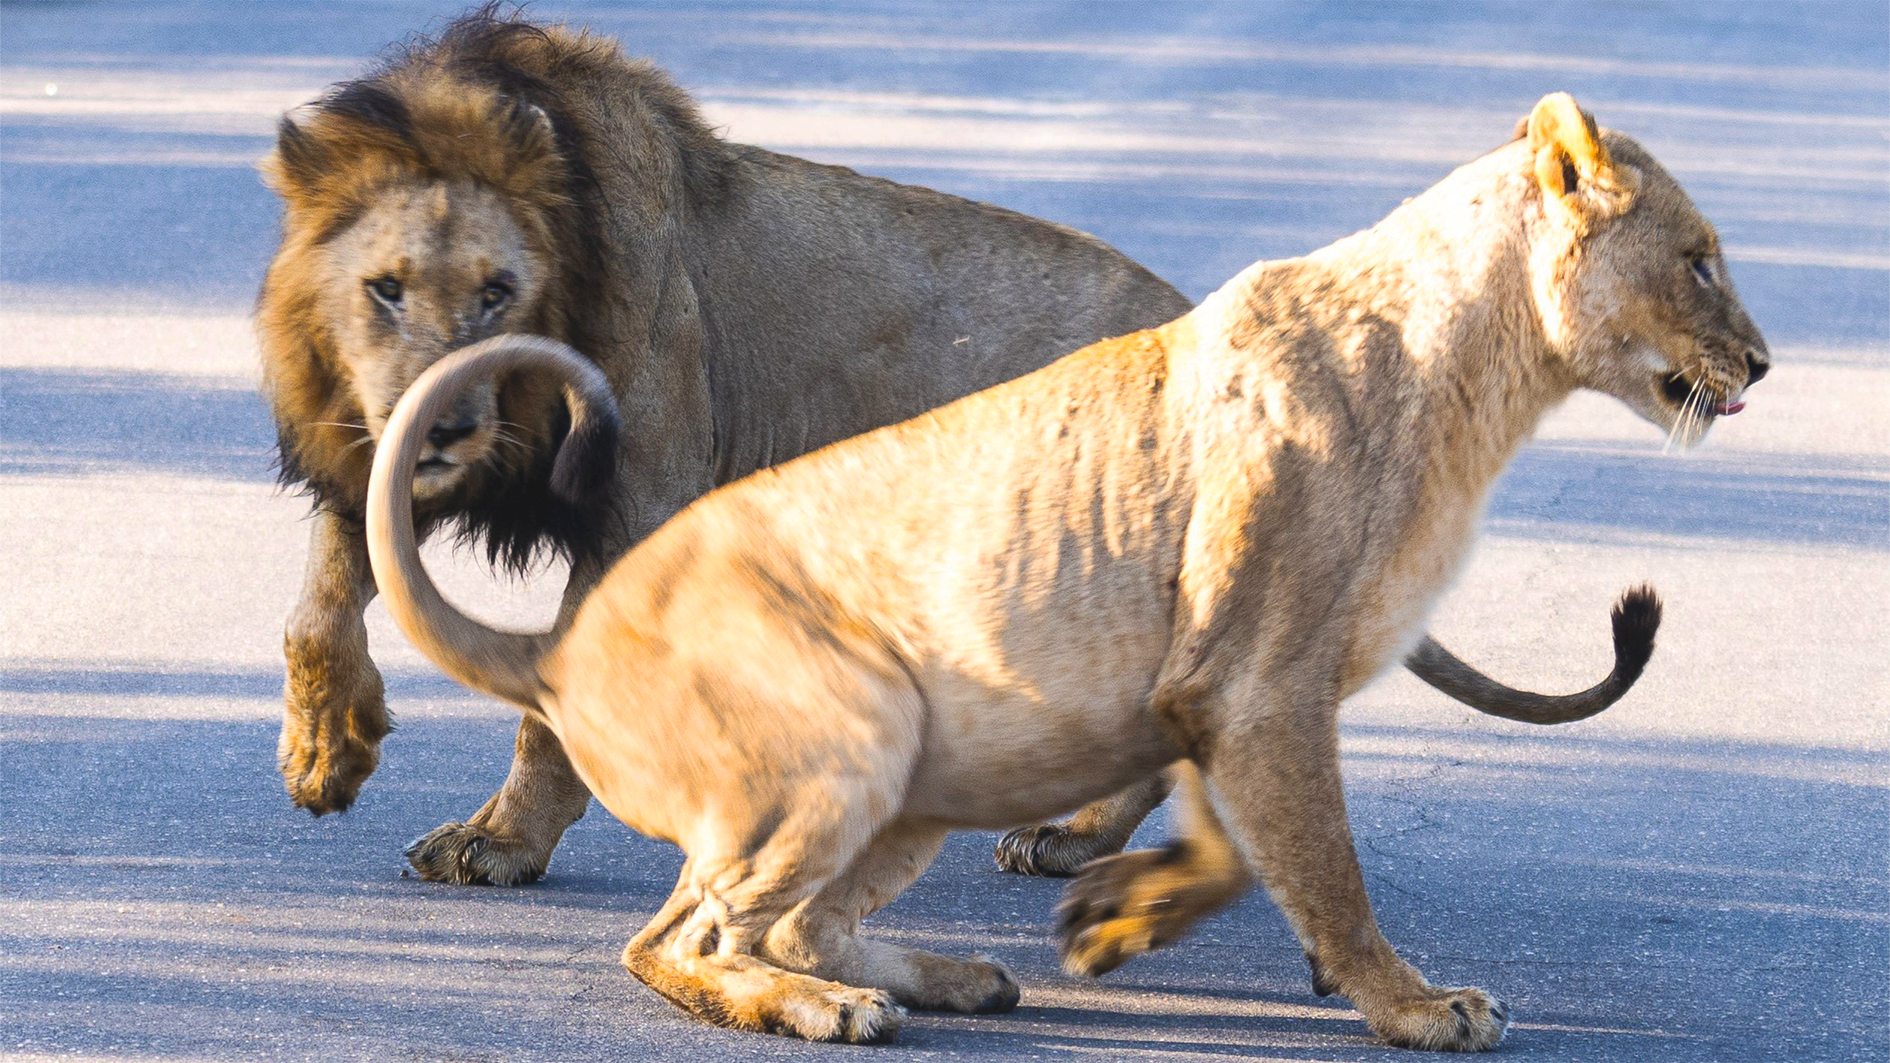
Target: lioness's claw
(468, 855)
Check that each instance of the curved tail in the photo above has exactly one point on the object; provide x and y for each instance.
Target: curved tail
(501, 663)
(1636, 619)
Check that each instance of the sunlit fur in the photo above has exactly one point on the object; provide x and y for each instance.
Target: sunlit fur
(1186, 543)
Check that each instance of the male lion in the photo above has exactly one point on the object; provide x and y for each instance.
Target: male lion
(1184, 545)
(746, 307)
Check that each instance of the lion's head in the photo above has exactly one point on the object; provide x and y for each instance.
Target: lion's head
(427, 207)
(1629, 279)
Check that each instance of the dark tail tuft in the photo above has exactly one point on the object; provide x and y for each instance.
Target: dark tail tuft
(587, 460)
(1636, 618)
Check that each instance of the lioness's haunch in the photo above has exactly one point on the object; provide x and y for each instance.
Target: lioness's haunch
(1184, 546)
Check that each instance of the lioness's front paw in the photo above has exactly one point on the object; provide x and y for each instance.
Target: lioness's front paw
(1123, 906)
(1453, 1020)
(977, 986)
(473, 856)
(1051, 850)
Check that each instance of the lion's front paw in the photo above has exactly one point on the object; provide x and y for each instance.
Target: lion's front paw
(1051, 850)
(334, 717)
(470, 855)
(1450, 1020)
(324, 772)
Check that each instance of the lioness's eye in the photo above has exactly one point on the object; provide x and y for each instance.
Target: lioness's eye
(1701, 271)
(495, 295)
(388, 288)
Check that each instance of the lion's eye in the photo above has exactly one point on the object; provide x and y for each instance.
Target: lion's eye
(386, 288)
(1702, 272)
(495, 294)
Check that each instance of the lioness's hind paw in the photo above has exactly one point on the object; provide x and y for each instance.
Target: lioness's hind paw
(844, 1014)
(1455, 1020)
(468, 855)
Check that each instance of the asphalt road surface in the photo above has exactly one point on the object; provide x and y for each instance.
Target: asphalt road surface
(1697, 875)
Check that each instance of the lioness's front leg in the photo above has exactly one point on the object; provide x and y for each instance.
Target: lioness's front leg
(508, 842)
(334, 714)
(1272, 759)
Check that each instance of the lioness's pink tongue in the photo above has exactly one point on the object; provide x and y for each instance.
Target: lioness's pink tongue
(1727, 409)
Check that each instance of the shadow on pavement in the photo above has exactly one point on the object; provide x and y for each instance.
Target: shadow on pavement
(153, 860)
(72, 421)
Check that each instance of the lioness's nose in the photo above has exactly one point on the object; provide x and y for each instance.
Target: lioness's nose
(1756, 368)
(444, 434)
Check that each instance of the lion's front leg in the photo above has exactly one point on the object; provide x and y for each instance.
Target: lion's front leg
(509, 841)
(334, 712)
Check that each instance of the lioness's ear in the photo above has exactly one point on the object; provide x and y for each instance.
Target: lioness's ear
(1566, 145)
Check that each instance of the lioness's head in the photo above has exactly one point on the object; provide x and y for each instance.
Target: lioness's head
(1629, 279)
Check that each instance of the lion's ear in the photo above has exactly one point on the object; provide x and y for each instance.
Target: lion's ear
(529, 128)
(1567, 146)
(297, 162)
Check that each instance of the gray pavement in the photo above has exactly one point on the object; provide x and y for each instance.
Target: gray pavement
(1698, 875)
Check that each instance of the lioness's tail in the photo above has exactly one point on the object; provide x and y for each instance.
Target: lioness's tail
(1636, 619)
(501, 663)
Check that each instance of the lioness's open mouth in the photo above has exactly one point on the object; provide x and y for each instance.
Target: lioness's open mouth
(1678, 390)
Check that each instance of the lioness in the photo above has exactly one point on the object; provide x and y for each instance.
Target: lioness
(746, 307)
(1186, 544)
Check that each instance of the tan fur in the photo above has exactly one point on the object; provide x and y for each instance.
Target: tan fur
(1191, 542)
(746, 307)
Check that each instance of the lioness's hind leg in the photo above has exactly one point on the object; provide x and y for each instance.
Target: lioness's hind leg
(699, 951)
(744, 993)
(821, 936)
(1122, 906)
(1057, 850)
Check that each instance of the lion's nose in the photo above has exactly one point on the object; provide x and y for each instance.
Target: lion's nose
(1756, 368)
(444, 434)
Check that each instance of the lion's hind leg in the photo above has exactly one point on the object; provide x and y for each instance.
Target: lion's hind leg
(821, 935)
